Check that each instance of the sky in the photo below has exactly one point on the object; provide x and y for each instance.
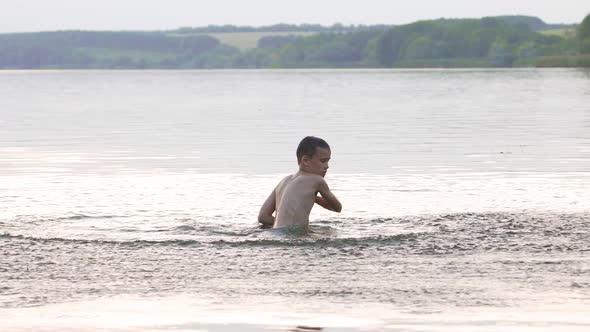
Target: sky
(48, 15)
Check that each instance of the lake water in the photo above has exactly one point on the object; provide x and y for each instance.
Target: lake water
(128, 200)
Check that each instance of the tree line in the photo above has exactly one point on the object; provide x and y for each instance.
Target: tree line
(584, 35)
(488, 42)
(281, 27)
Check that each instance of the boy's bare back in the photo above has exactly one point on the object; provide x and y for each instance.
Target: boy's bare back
(294, 196)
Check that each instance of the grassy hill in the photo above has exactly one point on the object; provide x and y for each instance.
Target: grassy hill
(534, 23)
(247, 39)
(564, 33)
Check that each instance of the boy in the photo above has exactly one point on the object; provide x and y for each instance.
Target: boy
(294, 196)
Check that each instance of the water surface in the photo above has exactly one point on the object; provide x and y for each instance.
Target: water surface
(131, 197)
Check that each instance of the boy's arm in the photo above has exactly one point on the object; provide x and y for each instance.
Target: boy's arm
(319, 200)
(328, 200)
(265, 216)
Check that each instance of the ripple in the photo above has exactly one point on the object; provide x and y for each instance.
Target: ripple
(427, 234)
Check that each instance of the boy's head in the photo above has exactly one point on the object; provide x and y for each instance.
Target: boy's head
(313, 155)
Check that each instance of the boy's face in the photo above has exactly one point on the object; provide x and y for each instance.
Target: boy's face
(318, 164)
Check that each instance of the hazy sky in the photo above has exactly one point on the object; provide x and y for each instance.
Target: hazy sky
(42, 15)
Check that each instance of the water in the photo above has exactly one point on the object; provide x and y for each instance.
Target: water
(129, 200)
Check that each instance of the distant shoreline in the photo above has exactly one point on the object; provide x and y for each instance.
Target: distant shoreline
(497, 42)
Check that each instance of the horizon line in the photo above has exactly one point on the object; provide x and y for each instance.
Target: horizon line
(268, 25)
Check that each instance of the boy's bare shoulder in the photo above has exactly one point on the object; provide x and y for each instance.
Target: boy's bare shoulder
(286, 178)
(314, 178)
(308, 179)
(284, 181)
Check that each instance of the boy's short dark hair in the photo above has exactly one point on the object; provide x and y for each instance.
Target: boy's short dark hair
(308, 145)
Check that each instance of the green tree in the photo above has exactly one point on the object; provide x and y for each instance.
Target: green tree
(370, 53)
(501, 54)
(336, 51)
(420, 48)
(584, 35)
(291, 55)
(197, 44)
(388, 47)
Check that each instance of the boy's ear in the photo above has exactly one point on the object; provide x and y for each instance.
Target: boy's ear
(304, 159)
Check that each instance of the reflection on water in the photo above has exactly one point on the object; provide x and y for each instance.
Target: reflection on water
(182, 313)
(378, 122)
